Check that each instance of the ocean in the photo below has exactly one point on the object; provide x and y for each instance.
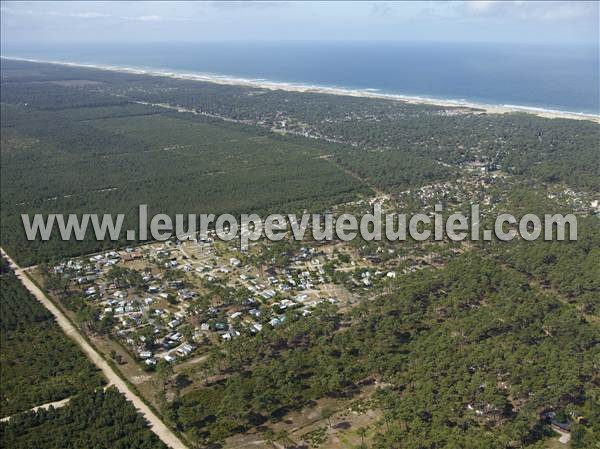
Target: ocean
(562, 78)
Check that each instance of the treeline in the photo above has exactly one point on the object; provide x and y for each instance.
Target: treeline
(100, 419)
(38, 363)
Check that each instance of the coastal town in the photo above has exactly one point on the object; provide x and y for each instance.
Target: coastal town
(169, 300)
(464, 315)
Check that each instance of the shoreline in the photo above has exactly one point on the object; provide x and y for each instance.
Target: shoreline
(300, 88)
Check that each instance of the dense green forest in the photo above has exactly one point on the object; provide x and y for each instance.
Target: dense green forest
(549, 149)
(38, 363)
(470, 337)
(124, 156)
(98, 420)
(77, 140)
(470, 353)
(572, 269)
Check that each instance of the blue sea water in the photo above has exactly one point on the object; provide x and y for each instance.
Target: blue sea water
(565, 78)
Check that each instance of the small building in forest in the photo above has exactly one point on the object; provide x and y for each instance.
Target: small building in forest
(561, 426)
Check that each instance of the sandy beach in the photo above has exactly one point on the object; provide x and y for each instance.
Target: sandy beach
(362, 93)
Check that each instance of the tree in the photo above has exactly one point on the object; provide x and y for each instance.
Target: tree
(269, 436)
(164, 372)
(284, 436)
(215, 358)
(327, 413)
(362, 433)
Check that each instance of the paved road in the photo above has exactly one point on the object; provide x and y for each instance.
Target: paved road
(155, 423)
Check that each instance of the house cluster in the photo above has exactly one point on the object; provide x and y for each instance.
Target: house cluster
(146, 315)
(159, 300)
(270, 294)
(580, 202)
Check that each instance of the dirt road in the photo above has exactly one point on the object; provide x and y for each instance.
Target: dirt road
(55, 404)
(155, 423)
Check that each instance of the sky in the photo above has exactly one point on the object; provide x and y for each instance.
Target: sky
(453, 21)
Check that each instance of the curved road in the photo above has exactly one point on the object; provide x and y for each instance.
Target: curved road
(155, 423)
